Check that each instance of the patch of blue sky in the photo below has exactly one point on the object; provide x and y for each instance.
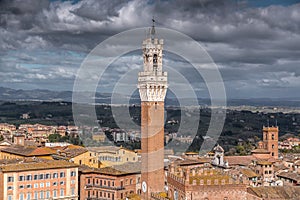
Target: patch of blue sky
(34, 59)
(266, 3)
(34, 65)
(73, 1)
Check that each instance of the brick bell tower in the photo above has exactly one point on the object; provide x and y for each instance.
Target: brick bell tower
(270, 140)
(152, 84)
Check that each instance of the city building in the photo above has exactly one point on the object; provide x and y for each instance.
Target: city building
(113, 155)
(99, 136)
(152, 85)
(17, 151)
(110, 183)
(270, 140)
(76, 154)
(190, 180)
(34, 178)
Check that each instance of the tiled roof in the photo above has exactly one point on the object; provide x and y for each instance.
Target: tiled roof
(28, 151)
(264, 162)
(68, 153)
(104, 149)
(129, 167)
(282, 193)
(118, 170)
(187, 162)
(30, 164)
(42, 151)
(248, 172)
(239, 160)
(263, 151)
(290, 175)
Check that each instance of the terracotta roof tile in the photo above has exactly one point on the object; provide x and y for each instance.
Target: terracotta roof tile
(30, 164)
(28, 151)
(282, 193)
(239, 160)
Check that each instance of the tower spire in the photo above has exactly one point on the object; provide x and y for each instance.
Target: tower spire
(152, 32)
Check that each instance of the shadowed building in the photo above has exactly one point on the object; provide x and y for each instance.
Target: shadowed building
(152, 84)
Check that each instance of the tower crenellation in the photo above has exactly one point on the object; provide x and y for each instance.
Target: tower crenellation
(152, 82)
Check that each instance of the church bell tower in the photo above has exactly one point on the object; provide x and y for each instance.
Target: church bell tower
(152, 85)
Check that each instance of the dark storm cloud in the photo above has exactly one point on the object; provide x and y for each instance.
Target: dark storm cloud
(248, 43)
(99, 10)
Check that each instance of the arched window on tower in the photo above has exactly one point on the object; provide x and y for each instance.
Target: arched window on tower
(155, 63)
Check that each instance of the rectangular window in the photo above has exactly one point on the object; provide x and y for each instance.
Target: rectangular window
(55, 183)
(9, 197)
(48, 194)
(10, 188)
(36, 185)
(10, 179)
(28, 178)
(62, 183)
(42, 194)
(47, 176)
(28, 196)
(62, 174)
(48, 184)
(41, 185)
(62, 192)
(21, 196)
(72, 191)
(21, 186)
(41, 176)
(55, 175)
(28, 186)
(54, 193)
(35, 177)
(36, 195)
(73, 173)
(21, 178)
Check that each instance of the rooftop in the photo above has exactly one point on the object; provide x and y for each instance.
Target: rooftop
(261, 151)
(118, 170)
(290, 175)
(239, 160)
(248, 172)
(32, 164)
(286, 192)
(28, 151)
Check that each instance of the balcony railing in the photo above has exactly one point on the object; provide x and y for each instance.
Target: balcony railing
(88, 186)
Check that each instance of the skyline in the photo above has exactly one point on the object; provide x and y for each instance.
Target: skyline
(255, 45)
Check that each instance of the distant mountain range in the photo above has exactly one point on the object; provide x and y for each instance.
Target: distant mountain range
(8, 94)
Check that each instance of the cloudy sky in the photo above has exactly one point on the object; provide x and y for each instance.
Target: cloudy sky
(255, 43)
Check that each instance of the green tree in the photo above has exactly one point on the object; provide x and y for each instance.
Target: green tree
(54, 137)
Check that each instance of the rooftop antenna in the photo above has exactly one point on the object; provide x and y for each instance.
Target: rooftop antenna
(276, 122)
(268, 123)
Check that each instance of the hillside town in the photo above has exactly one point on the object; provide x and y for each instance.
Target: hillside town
(208, 110)
(34, 168)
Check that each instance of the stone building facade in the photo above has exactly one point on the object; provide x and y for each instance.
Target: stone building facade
(199, 182)
(110, 183)
(34, 178)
